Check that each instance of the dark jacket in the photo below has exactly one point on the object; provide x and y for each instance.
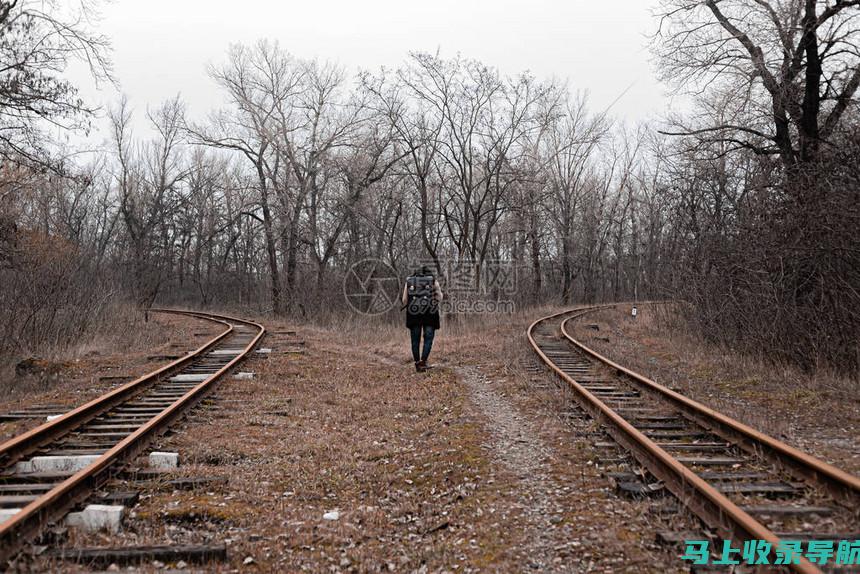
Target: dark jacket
(422, 296)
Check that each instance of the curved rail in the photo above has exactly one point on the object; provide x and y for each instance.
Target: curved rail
(838, 482)
(55, 503)
(14, 449)
(702, 498)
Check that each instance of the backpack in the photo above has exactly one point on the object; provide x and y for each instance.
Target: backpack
(419, 292)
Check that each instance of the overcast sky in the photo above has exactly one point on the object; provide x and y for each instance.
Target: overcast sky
(162, 47)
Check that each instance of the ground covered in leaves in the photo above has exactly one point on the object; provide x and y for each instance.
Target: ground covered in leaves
(339, 457)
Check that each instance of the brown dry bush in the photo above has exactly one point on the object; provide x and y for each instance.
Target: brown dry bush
(52, 299)
(783, 281)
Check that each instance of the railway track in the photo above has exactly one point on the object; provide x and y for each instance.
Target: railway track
(95, 441)
(743, 484)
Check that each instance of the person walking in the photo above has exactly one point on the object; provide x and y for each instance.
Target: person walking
(421, 298)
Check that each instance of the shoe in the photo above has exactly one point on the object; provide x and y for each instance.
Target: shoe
(418, 366)
(421, 366)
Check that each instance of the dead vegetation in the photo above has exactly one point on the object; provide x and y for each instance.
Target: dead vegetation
(340, 458)
(448, 471)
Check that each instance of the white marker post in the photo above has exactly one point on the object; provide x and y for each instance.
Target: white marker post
(634, 312)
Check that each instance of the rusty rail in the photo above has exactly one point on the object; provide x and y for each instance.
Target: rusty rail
(54, 504)
(14, 449)
(839, 484)
(713, 507)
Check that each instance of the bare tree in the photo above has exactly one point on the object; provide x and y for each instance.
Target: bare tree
(257, 81)
(479, 122)
(320, 121)
(568, 148)
(148, 177)
(38, 39)
(417, 134)
(793, 68)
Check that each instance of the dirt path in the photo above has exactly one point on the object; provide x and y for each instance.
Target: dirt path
(516, 445)
(560, 500)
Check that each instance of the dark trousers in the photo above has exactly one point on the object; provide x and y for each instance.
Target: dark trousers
(429, 333)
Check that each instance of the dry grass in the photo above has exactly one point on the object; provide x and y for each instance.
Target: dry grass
(470, 469)
(126, 333)
(466, 338)
(426, 470)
